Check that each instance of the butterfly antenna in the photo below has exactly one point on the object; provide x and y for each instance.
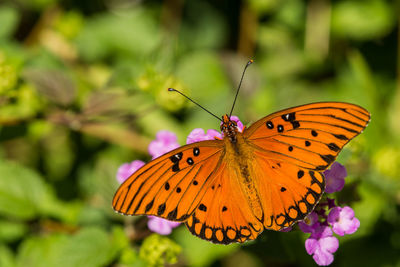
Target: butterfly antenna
(174, 90)
(240, 83)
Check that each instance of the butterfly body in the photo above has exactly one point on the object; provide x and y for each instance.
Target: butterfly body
(267, 177)
(239, 155)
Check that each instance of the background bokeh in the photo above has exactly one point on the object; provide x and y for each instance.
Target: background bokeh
(83, 90)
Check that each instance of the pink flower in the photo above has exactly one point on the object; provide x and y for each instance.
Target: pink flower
(321, 244)
(343, 221)
(198, 135)
(165, 142)
(127, 169)
(161, 226)
(335, 178)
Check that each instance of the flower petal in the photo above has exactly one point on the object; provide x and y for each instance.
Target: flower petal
(311, 245)
(336, 170)
(165, 142)
(343, 220)
(161, 226)
(330, 244)
(334, 185)
(198, 135)
(323, 258)
(335, 178)
(127, 169)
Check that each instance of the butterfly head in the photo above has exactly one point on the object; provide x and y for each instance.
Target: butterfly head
(229, 128)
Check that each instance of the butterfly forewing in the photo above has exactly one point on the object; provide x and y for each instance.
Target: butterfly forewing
(172, 185)
(309, 136)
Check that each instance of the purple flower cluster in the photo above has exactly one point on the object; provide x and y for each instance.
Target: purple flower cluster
(322, 244)
(319, 224)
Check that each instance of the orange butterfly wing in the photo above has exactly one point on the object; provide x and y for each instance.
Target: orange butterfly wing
(223, 215)
(172, 185)
(204, 193)
(310, 136)
(291, 149)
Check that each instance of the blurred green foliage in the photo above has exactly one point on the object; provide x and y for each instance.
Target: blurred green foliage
(83, 90)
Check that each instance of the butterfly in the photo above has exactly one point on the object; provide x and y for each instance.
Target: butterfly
(267, 177)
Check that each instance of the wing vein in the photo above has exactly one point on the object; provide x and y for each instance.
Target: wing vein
(335, 117)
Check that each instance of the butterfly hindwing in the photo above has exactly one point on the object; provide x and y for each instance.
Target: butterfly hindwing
(289, 193)
(309, 136)
(171, 185)
(223, 215)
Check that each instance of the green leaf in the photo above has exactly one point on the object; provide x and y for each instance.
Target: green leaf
(24, 195)
(8, 21)
(41, 251)
(21, 191)
(89, 247)
(133, 33)
(362, 20)
(8, 74)
(6, 257)
(11, 230)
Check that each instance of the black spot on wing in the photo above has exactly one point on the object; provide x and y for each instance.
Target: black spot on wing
(291, 117)
(295, 124)
(149, 206)
(202, 207)
(172, 215)
(314, 133)
(176, 158)
(166, 186)
(270, 125)
(175, 167)
(333, 147)
(161, 209)
(340, 136)
(328, 158)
